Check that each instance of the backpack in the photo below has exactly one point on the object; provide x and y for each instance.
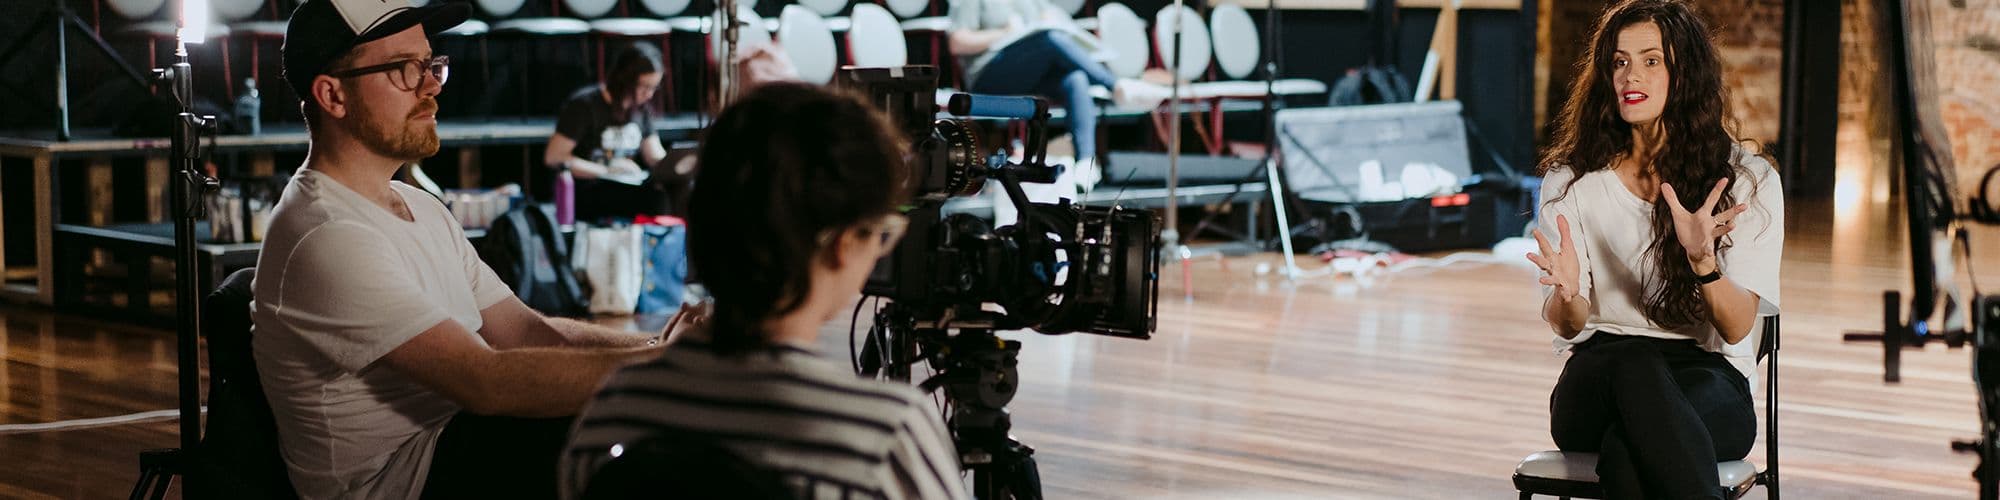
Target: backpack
(525, 249)
(1370, 85)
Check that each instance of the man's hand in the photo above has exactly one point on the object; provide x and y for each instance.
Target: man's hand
(1559, 264)
(1698, 230)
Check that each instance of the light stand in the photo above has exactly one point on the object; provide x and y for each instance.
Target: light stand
(157, 467)
(1924, 155)
(1170, 235)
(726, 77)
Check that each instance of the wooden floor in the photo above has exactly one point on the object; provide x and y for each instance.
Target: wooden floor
(1422, 384)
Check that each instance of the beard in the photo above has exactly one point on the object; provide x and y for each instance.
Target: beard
(402, 137)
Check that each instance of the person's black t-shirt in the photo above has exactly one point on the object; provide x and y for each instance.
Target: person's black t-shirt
(599, 133)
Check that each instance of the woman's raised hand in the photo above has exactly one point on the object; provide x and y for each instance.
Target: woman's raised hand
(1559, 266)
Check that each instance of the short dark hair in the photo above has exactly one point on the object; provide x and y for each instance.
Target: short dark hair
(779, 168)
(636, 58)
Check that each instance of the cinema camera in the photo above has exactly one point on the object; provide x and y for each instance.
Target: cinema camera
(954, 280)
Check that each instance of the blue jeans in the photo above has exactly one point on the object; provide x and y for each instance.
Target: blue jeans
(1055, 67)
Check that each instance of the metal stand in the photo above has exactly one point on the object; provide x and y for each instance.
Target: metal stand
(726, 76)
(1928, 204)
(977, 372)
(60, 18)
(157, 467)
(1170, 236)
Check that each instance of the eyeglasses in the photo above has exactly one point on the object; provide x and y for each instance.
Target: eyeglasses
(892, 228)
(406, 74)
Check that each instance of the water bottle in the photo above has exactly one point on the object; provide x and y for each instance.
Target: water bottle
(565, 197)
(248, 107)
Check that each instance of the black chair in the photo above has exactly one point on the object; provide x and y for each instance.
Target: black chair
(1574, 475)
(238, 457)
(682, 466)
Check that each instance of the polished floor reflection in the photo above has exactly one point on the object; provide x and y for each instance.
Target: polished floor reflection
(1428, 383)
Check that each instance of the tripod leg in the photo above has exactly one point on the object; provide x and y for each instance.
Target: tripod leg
(145, 484)
(160, 487)
(1025, 480)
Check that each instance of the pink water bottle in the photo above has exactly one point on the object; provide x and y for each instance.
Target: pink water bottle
(565, 197)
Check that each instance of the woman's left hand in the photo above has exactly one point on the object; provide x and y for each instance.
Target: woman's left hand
(1699, 230)
(692, 315)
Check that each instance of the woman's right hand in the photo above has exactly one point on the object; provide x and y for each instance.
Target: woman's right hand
(624, 166)
(1558, 264)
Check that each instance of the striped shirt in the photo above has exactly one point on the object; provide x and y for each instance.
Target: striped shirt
(829, 433)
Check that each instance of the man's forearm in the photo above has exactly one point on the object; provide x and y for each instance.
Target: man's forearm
(580, 334)
(548, 382)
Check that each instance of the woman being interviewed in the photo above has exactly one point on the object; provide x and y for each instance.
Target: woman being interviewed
(1670, 240)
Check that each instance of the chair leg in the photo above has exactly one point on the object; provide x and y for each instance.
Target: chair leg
(160, 488)
(1527, 496)
(144, 485)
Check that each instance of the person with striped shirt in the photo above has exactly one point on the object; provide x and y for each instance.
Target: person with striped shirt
(796, 199)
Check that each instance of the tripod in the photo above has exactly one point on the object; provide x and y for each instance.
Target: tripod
(977, 371)
(60, 18)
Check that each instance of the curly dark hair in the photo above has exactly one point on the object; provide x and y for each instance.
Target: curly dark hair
(1696, 146)
(781, 167)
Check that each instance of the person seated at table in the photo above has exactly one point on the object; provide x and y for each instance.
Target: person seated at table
(607, 138)
(397, 364)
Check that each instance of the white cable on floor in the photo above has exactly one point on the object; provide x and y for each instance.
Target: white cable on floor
(85, 423)
(1446, 261)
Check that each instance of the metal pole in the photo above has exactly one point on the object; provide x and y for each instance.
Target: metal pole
(62, 70)
(1171, 235)
(187, 203)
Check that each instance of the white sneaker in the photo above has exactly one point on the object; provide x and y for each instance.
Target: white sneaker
(1131, 93)
(1086, 174)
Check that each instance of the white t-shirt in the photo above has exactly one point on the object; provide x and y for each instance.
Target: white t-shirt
(1613, 228)
(340, 283)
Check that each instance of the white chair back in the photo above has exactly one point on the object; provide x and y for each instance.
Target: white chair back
(752, 34)
(1238, 47)
(588, 9)
(135, 10)
(876, 39)
(665, 8)
(500, 9)
(822, 7)
(1070, 7)
(809, 43)
(908, 8)
(1194, 41)
(236, 10)
(1123, 32)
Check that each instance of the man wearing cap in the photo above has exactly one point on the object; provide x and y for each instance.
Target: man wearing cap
(396, 363)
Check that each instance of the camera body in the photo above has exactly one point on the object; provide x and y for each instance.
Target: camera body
(1063, 268)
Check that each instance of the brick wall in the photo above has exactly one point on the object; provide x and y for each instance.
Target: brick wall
(1966, 36)
(1749, 35)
